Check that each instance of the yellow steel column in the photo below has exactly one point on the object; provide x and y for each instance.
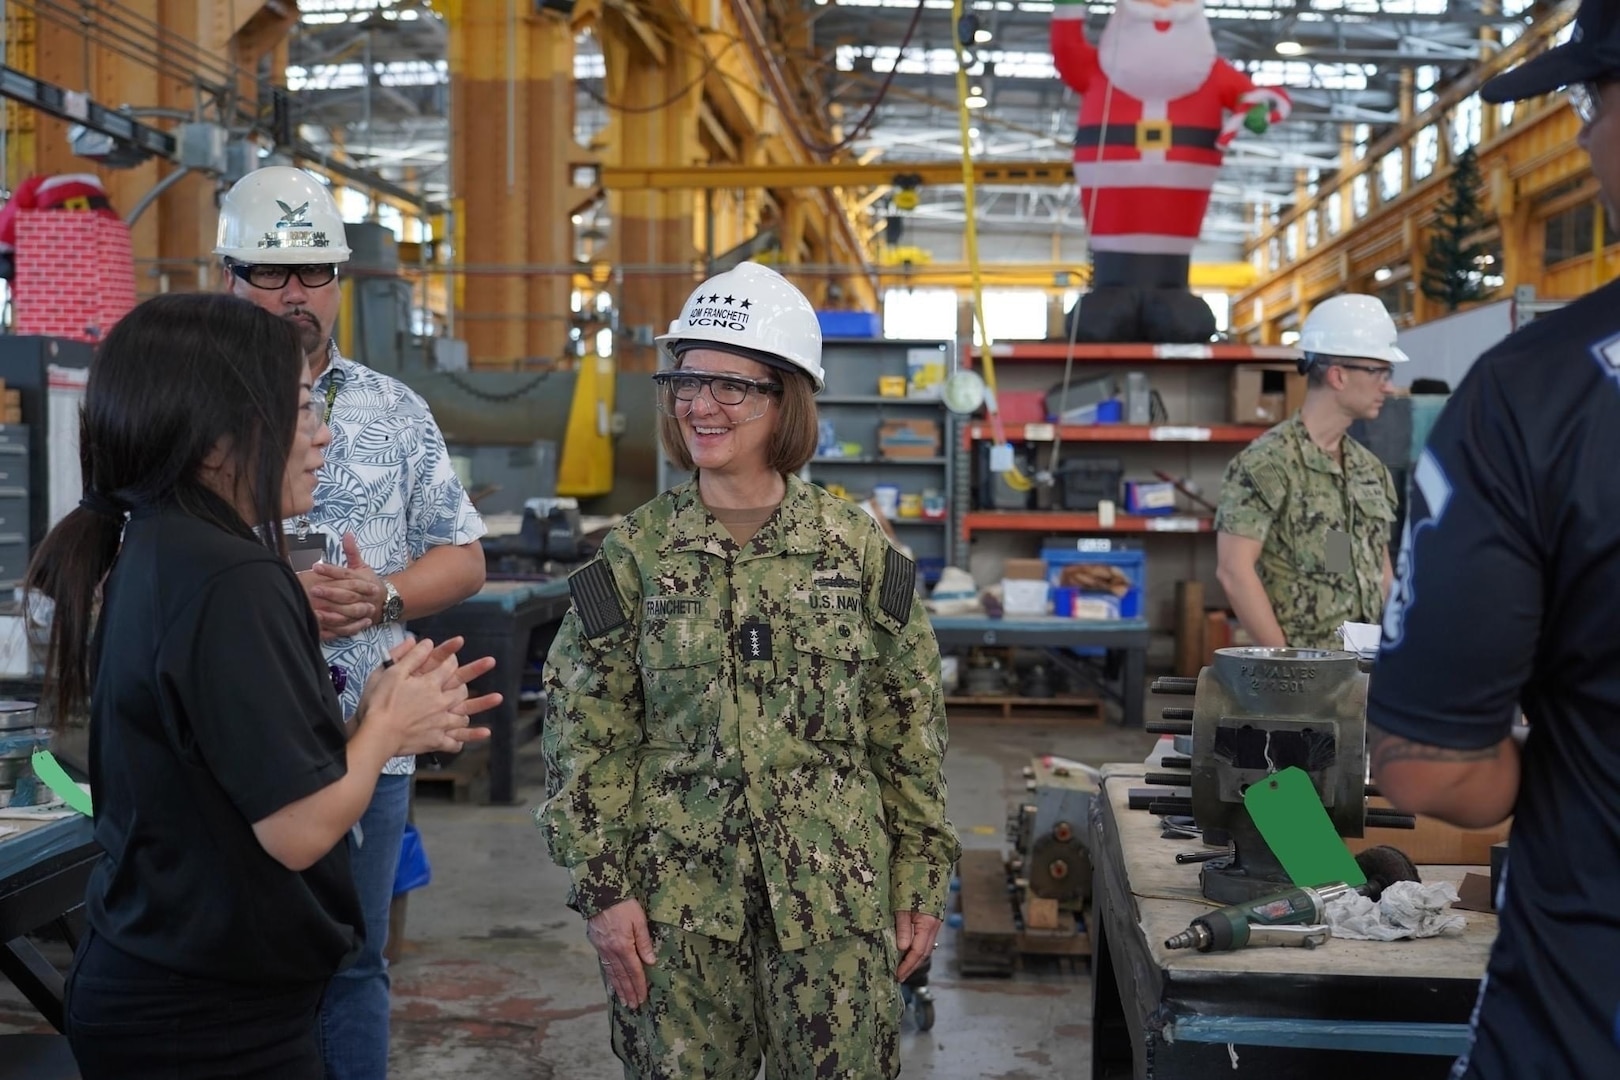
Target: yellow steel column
(490, 175)
(21, 123)
(655, 104)
(117, 79)
(550, 144)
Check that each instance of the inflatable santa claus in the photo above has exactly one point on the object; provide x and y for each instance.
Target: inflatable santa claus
(1158, 108)
(66, 191)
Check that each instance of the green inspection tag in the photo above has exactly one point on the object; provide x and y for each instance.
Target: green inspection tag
(1290, 816)
(53, 776)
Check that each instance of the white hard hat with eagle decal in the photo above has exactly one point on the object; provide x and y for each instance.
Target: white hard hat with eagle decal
(279, 214)
(751, 311)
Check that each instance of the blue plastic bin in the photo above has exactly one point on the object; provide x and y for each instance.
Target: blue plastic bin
(850, 324)
(1132, 562)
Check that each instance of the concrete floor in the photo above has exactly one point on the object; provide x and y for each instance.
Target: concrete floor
(497, 980)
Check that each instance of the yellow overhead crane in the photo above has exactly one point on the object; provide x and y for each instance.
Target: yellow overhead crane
(826, 174)
(1226, 277)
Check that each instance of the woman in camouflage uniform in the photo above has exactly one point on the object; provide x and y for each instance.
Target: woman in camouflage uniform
(745, 732)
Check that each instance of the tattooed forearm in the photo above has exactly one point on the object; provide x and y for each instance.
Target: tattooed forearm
(1383, 748)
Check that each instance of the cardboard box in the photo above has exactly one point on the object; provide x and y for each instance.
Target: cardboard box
(1433, 842)
(1266, 393)
(1024, 569)
(908, 438)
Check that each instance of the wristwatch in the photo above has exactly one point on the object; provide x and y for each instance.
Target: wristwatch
(393, 608)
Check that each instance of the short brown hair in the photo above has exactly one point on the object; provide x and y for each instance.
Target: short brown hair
(792, 445)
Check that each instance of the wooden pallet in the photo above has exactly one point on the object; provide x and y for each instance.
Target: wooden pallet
(464, 777)
(1010, 708)
(991, 942)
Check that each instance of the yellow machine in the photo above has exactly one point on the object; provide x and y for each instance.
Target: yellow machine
(585, 467)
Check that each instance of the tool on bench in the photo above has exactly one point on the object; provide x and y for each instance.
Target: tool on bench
(1290, 918)
(1270, 730)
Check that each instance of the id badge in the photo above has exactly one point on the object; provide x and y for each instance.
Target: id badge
(1337, 553)
(305, 553)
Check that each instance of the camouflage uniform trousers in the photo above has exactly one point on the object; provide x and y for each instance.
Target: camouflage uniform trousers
(716, 1009)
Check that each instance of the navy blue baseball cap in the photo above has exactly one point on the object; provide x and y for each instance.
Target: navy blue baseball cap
(1592, 53)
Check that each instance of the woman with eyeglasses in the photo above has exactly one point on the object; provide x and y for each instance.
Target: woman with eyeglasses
(745, 731)
(224, 780)
(1306, 512)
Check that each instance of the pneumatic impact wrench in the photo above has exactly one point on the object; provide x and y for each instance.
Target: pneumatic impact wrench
(1292, 918)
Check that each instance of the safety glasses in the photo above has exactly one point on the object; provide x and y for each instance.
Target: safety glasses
(724, 389)
(276, 276)
(1383, 374)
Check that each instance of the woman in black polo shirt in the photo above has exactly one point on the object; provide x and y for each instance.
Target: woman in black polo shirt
(222, 775)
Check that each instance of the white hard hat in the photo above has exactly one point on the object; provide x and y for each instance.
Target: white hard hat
(754, 311)
(1351, 325)
(280, 214)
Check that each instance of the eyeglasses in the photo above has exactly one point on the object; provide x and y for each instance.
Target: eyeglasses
(724, 389)
(275, 276)
(312, 413)
(1383, 374)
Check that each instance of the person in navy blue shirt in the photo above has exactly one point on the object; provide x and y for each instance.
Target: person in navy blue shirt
(1507, 595)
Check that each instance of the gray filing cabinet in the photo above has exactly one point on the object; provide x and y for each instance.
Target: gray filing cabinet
(14, 511)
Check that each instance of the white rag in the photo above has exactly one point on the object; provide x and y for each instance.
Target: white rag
(1407, 909)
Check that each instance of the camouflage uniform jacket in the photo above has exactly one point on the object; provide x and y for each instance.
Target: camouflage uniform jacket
(1288, 493)
(711, 704)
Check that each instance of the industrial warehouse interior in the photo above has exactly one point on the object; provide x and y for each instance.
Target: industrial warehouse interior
(1114, 559)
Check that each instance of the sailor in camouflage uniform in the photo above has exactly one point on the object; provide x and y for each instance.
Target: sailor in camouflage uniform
(1306, 512)
(746, 732)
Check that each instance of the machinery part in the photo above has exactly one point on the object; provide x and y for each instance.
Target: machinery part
(1168, 727)
(1185, 857)
(1261, 710)
(1063, 832)
(1384, 866)
(1176, 762)
(1037, 683)
(1059, 870)
(1389, 819)
(1237, 925)
(754, 308)
(1168, 779)
(983, 676)
(1174, 684)
(280, 215)
(1177, 714)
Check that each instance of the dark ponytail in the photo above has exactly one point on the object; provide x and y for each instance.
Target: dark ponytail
(176, 378)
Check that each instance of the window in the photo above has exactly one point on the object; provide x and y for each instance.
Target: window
(1467, 123)
(1361, 196)
(1335, 208)
(1570, 234)
(1013, 315)
(1221, 304)
(1425, 152)
(1389, 175)
(1313, 226)
(925, 314)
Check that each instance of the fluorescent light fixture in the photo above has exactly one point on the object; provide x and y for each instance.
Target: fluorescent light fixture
(976, 101)
(1290, 48)
(1383, 273)
(981, 36)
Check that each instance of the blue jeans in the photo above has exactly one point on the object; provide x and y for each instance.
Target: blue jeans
(354, 1013)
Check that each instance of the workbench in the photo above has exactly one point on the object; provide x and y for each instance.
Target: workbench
(1345, 1009)
(511, 621)
(1126, 639)
(44, 869)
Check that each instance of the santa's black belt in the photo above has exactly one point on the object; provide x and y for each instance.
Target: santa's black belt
(1147, 135)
